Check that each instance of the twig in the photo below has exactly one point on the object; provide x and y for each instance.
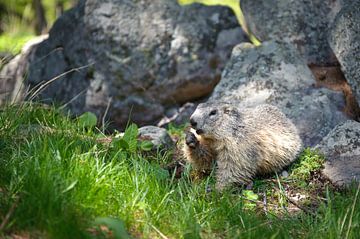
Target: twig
(105, 113)
(306, 210)
(160, 233)
(352, 212)
(260, 225)
(73, 99)
(265, 203)
(44, 85)
(8, 215)
(45, 129)
(296, 204)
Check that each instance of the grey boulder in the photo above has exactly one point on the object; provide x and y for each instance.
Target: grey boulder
(275, 73)
(341, 148)
(303, 23)
(344, 39)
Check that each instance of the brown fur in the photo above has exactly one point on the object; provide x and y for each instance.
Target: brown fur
(202, 157)
(242, 142)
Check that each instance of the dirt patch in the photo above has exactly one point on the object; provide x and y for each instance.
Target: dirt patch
(333, 78)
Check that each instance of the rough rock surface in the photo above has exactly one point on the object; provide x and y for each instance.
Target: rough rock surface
(344, 39)
(341, 148)
(302, 22)
(275, 73)
(12, 74)
(140, 56)
(158, 136)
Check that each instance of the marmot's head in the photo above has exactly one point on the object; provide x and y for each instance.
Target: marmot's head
(215, 120)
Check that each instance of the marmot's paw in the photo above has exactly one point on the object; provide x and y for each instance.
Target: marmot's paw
(191, 139)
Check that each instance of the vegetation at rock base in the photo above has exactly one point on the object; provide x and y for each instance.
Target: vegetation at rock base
(58, 180)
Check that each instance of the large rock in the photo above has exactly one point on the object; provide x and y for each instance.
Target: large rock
(341, 148)
(304, 23)
(137, 57)
(345, 42)
(275, 73)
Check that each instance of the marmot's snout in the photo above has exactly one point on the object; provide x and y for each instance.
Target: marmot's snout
(195, 125)
(193, 122)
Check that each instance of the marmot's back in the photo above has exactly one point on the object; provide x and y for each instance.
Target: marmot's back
(276, 135)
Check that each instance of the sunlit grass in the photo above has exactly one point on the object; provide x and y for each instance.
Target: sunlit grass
(17, 23)
(16, 33)
(13, 43)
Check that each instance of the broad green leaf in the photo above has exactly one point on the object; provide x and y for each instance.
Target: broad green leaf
(146, 145)
(131, 132)
(130, 136)
(249, 194)
(251, 197)
(87, 119)
(122, 144)
(115, 225)
(71, 186)
(161, 173)
(132, 146)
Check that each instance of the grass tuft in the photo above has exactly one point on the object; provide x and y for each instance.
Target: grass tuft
(309, 161)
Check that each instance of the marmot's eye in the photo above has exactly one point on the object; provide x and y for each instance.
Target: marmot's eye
(227, 110)
(213, 112)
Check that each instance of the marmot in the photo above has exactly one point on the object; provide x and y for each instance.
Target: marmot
(242, 142)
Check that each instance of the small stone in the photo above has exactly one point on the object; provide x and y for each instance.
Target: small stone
(297, 197)
(158, 136)
(284, 174)
(250, 186)
(208, 189)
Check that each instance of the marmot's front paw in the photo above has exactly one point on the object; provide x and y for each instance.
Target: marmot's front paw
(191, 139)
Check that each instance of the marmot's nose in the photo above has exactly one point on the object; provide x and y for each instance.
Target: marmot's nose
(193, 123)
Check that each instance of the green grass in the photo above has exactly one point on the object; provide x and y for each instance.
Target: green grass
(16, 34)
(13, 43)
(308, 162)
(16, 21)
(58, 181)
